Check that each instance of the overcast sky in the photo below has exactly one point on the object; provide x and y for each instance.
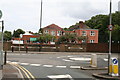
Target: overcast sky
(25, 14)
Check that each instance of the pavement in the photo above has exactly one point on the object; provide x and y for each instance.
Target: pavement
(10, 72)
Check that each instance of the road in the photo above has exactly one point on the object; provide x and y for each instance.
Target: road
(57, 65)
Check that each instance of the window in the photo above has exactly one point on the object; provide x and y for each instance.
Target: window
(83, 33)
(92, 33)
(53, 33)
(46, 31)
(92, 41)
(83, 41)
(59, 33)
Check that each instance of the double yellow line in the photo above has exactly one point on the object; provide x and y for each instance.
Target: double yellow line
(25, 71)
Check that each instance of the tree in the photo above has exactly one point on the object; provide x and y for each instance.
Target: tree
(115, 33)
(70, 38)
(17, 33)
(45, 38)
(101, 22)
(7, 35)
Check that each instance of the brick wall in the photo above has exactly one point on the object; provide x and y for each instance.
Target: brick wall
(100, 47)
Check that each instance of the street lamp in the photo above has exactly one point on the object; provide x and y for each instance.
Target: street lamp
(41, 15)
(1, 51)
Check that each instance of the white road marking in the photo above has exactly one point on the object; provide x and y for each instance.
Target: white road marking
(61, 66)
(21, 75)
(67, 60)
(24, 54)
(81, 59)
(15, 62)
(16, 54)
(59, 76)
(24, 63)
(69, 56)
(47, 65)
(8, 61)
(35, 64)
(75, 67)
(105, 59)
(58, 57)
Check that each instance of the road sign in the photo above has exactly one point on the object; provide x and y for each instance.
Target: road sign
(115, 61)
(110, 27)
(33, 39)
(114, 67)
(0, 14)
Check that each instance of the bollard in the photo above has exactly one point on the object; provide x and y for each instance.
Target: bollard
(114, 69)
(93, 60)
(26, 49)
(5, 57)
(12, 48)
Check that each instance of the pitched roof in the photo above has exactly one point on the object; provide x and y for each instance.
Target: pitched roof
(81, 25)
(52, 26)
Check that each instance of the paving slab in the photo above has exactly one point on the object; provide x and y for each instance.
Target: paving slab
(9, 72)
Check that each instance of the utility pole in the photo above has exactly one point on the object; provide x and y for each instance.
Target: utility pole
(41, 15)
(110, 39)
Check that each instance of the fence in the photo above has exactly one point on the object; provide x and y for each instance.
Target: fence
(100, 47)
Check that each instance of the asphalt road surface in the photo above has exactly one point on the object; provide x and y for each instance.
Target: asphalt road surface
(57, 65)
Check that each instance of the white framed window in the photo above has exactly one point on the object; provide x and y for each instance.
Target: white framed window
(59, 33)
(84, 33)
(92, 41)
(46, 32)
(92, 33)
(53, 33)
(83, 41)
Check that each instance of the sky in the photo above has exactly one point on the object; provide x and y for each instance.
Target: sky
(25, 14)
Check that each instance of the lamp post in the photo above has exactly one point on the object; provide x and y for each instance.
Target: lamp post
(41, 15)
(1, 51)
(110, 39)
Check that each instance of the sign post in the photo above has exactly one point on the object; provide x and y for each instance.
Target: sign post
(110, 39)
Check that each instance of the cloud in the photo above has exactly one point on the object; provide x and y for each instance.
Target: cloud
(25, 14)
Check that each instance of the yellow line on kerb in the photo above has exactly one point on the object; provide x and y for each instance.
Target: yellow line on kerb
(23, 71)
(27, 73)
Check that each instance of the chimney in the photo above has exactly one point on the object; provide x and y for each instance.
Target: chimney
(81, 24)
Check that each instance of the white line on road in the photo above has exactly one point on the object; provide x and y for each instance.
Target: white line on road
(81, 59)
(8, 61)
(69, 56)
(61, 66)
(105, 59)
(47, 65)
(67, 60)
(35, 64)
(58, 57)
(75, 67)
(59, 76)
(15, 62)
(24, 63)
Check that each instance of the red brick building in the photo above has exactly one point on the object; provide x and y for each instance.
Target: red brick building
(26, 38)
(90, 34)
(54, 30)
(80, 30)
